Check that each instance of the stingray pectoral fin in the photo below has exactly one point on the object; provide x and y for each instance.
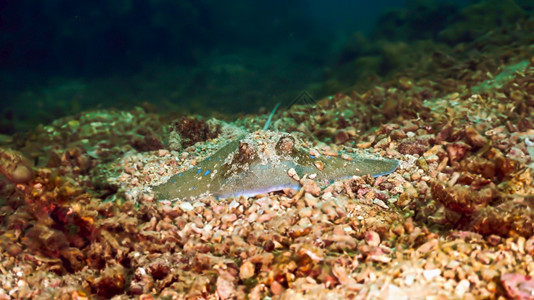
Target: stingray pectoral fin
(161, 191)
(336, 168)
(186, 185)
(201, 180)
(377, 167)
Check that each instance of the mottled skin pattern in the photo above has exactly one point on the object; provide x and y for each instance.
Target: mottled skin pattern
(252, 165)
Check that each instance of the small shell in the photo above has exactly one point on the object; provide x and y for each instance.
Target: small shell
(319, 165)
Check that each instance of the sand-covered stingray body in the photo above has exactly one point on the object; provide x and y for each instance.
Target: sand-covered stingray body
(263, 162)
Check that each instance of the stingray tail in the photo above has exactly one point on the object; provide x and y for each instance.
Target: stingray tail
(266, 126)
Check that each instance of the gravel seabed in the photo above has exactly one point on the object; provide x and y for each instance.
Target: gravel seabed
(454, 221)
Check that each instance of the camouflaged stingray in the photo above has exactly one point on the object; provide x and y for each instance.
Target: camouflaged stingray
(259, 163)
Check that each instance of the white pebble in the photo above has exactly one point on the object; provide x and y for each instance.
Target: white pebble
(326, 195)
(380, 203)
(409, 279)
(461, 288)
(431, 274)
(233, 204)
(186, 206)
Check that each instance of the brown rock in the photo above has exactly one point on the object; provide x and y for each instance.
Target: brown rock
(457, 151)
(474, 138)
(342, 137)
(397, 134)
(414, 146)
(410, 194)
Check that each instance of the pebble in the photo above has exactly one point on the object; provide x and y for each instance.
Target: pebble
(163, 152)
(319, 165)
(315, 153)
(431, 274)
(306, 212)
(329, 152)
(372, 238)
(347, 157)
(428, 246)
(310, 200)
(186, 206)
(293, 174)
(380, 203)
(229, 218)
(246, 270)
(462, 288)
(252, 217)
(276, 288)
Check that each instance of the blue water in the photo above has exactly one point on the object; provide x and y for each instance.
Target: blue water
(203, 57)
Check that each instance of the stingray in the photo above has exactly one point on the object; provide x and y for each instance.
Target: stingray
(263, 162)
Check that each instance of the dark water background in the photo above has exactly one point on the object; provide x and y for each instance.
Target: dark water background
(60, 57)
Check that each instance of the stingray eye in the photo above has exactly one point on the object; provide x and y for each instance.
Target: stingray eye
(285, 145)
(246, 152)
